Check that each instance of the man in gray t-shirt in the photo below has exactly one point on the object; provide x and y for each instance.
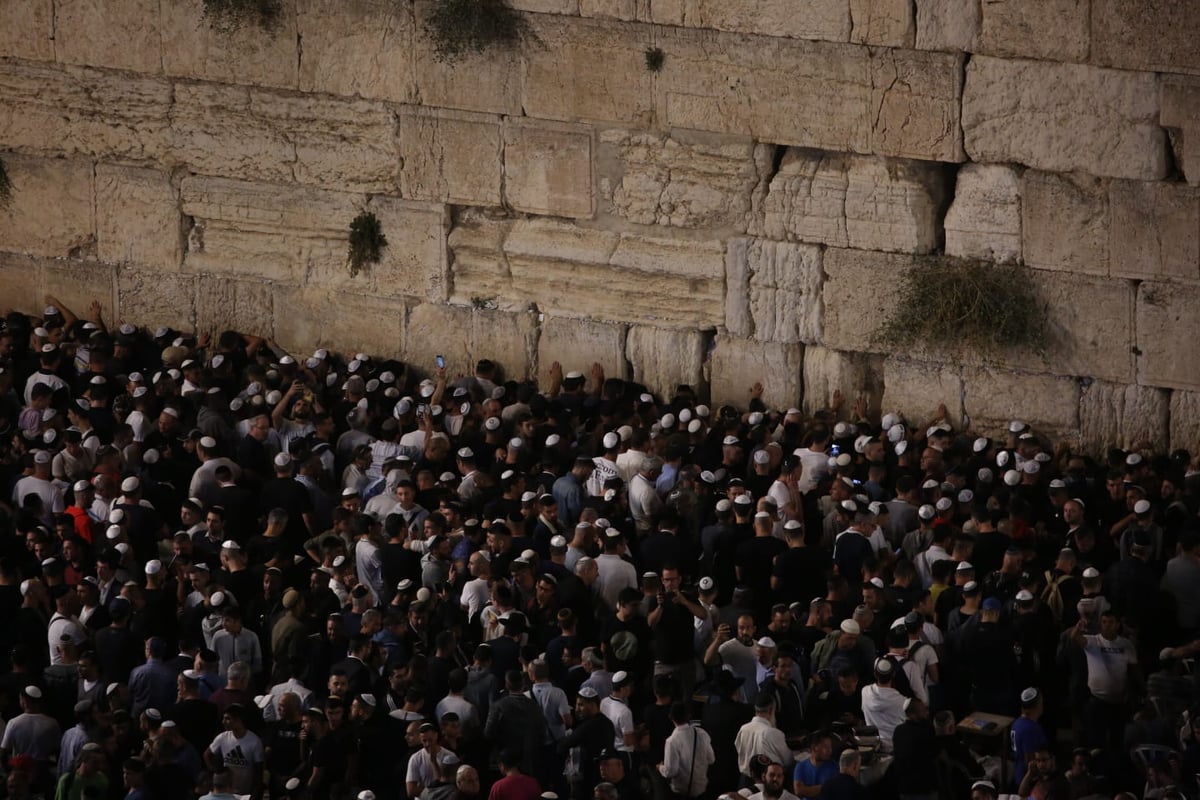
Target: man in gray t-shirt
(30, 733)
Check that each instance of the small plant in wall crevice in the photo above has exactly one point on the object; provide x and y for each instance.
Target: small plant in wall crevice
(6, 187)
(655, 58)
(460, 28)
(366, 242)
(227, 16)
(964, 305)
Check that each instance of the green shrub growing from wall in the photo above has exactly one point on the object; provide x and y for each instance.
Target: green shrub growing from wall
(366, 241)
(459, 28)
(230, 15)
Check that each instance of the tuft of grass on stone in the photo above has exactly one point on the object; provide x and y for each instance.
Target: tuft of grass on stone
(366, 242)
(227, 16)
(6, 187)
(655, 58)
(460, 28)
(961, 306)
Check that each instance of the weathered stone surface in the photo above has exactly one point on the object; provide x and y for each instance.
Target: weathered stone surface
(233, 305)
(857, 294)
(154, 298)
(570, 7)
(853, 374)
(362, 48)
(486, 82)
(605, 79)
(249, 133)
(347, 322)
(434, 330)
(450, 156)
(45, 109)
(1185, 420)
(630, 278)
(138, 219)
(1063, 117)
(1113, 415)
(889, 23)
(1051, 29)
(885, 101)
(855, 201)
(1155, 229)
(1168, 328)
(98, 33)
(1064, 222)
(1181, 111)
(51, 210)
(737, 364)
(616, 9)
(479, 270)
(916, 388)
(192, 48)
(28, 29)
(577, 344)
(1146, 34)
(826, 20)
(984, 221)
(682, 179)
(77, 283)
(414, 261)
(21, 278)
(773, 291)
(508, 339)
(548, 168)
(663, 358)
(993, 397)
(949, 25)
(1090, 327)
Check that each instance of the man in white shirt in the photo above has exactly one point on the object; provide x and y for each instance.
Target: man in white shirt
(616, 708)
(759, 736)
(882, 704)
(475, 592)
(644, 503)
(1111, 658)
(687, 755)
(773, 784)
(44, 486)
(615, 572)
(238, 750)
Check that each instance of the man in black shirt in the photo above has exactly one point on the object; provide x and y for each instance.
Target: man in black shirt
(671, 619)
(915, 747)
(799, 572)
(587, 739)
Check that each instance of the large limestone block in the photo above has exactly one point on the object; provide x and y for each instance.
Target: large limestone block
(361, 48)
(858, 292)
(1113, 415)
(1181, 111)
(773, 291)
(570, 7)
(992, 398)
(577, 344)
(1090, 330)
(949, 25)
(668, 282)
(853, 374)
(232, 305)
(1064, 222)
(510, 339)
(548, 168)
(51, 213)
(865, 202)
(915, 389)
(479, 271)
(191, 48)
(138, 218)
(250, 133)
(682, 179)
(28, 29)
(1051, 29)
(889, 23)
(155, 298)
(344, 321)
(873, 100)
(604, 79)
(1185, 420)
(1156, 35)
(487, 81)
(282, 233)
(826, 20)
(984, 221)
(99, 33)
(1155, 229)
(451, 156)
(434, 330)
(1167, 329)
(76, 284)
(21, 278)
(1063, 118)
(738, 364)
(414, 261)
(616, 9)
(45, 109)
(662, 359)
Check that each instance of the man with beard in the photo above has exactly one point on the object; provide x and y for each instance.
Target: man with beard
(773, 785)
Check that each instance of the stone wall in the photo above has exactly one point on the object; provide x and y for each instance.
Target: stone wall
(743, 213)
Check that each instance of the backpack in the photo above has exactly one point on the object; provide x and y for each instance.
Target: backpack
(1052, 595)
(900, 681)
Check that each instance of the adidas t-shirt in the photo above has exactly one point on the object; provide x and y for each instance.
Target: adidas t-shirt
(239, 757)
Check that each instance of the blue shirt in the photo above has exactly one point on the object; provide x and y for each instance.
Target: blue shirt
(1027, 736)
(814, 774)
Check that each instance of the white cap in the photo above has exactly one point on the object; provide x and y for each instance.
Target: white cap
(558, 541)
(1031, 467)
(724, 505)
(1133, 459)
(944, 504)
(895, 433)
(966, 496)
(528, 497)
(706, 584)
(1016, 426)
(851, 627)
(980, 444)
(889, 420)
(1029, 695)
(611, 440)
(116, 516)
(761, 457)
(766, 642)
(964, 566)
(901, 448)
(1002, 458)
(1091, 572)
(41, 457)
(230, 544)
(491, 423)
(552, 440)
(153, 566)
(926, 512)
(465, 453)
(113, 532)
(208, 443)
(33, 691)
(122, 548)
(1141, 507)
(694, 426)
(130, 484)
(1058, 483)
(216, 598)
(282, 460)
(729, 440)
(1024, 596)
(1012, 477)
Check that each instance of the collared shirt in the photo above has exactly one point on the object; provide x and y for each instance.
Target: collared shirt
(687, 755)
(760, 736)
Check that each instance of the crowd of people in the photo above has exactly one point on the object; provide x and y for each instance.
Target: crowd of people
(228, 570)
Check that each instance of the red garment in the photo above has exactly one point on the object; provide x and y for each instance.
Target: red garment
(515, 787)
(83, 523)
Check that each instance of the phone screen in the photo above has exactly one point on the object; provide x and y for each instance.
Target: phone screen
(441, 362)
